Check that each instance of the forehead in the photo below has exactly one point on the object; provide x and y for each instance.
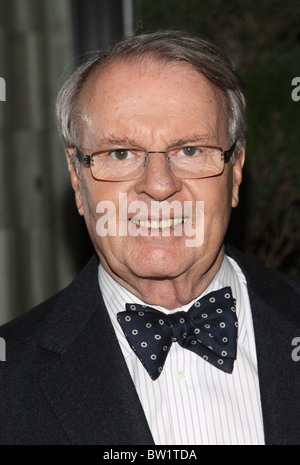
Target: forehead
(149, 93)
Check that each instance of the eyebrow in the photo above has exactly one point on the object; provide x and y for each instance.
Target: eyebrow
(129, 142)
(115, 140)
(201, 138)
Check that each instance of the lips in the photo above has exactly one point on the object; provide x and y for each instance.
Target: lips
(159, 224)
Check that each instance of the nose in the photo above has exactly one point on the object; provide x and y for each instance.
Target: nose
(158, 182)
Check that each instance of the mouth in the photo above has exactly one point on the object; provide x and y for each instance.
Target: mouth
(159, 225)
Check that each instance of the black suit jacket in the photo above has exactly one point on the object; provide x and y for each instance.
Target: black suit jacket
(65, 381)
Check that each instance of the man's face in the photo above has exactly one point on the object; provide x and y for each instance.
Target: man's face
(155, 106)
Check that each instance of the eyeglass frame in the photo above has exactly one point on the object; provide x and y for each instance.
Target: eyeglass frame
(85, 160)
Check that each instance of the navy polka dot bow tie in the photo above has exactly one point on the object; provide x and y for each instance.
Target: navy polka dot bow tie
(209, 329)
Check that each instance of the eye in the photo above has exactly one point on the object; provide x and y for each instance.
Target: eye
(189, 151)
(121, 154)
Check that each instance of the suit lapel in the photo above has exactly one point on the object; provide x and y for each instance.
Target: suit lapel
(276, 319)
(91, 410)
(279, 375)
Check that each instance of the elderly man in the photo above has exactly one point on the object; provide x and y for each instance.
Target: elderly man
(165, 337)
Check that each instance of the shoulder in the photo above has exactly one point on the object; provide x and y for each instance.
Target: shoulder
(274, 289)
(259, 273)
(35, 343)
(23, 332)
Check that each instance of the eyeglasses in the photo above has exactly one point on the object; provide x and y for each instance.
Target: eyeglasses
(126, 164)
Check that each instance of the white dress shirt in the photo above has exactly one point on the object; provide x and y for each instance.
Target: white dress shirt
(193, 402)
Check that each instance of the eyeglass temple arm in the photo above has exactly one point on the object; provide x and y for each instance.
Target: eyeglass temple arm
(228, 153)
(84, 159)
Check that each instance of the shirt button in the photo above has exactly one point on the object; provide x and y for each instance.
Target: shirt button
(181, 376)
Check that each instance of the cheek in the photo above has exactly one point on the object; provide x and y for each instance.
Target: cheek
(101, 210)
(91, 196)
(95, 194)
(89, 201)
(216, 195)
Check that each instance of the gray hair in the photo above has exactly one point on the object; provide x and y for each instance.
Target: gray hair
(167, 46)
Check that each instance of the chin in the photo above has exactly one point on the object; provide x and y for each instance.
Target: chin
(155, 272)
(159, 264)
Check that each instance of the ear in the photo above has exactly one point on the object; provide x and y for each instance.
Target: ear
(237, 175)
(75, 180)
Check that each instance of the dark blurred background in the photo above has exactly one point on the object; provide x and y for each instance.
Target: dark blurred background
(43, 241)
